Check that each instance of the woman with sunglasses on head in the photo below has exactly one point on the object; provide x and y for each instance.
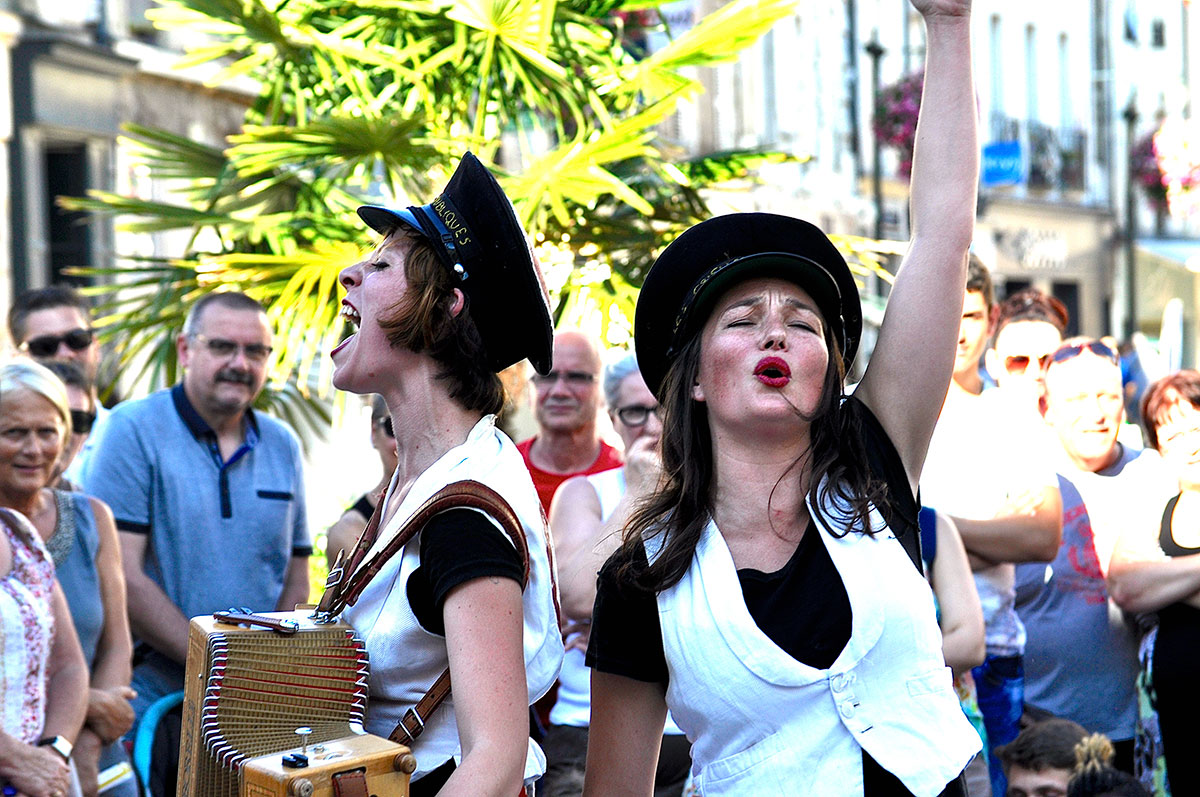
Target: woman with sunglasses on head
(79, 533)
(345, 532)
(1155, 570)
(770, 592)
(449, 298)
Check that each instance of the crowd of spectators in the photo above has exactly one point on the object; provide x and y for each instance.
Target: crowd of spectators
(1060, 547)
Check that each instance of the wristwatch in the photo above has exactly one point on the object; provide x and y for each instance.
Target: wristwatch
(58, 744)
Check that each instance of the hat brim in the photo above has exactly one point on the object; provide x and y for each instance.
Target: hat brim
(384, 220)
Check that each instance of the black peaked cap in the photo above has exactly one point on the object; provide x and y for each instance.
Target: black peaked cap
(475, 233)
(709, 258)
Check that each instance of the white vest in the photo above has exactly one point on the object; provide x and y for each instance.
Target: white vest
(573, 705)
(762, 722)
(405, 658)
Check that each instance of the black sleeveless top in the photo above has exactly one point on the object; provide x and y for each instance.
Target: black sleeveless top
(1178, 641)
(1181, 612)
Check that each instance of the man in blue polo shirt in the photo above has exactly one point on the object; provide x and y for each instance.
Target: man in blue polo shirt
(208, 495)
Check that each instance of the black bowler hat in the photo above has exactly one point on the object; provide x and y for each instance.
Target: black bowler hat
(475, 233)
(700, 265)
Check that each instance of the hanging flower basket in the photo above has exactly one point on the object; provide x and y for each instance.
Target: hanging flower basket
(1143, 163)
(895, 119)
(1167, 165)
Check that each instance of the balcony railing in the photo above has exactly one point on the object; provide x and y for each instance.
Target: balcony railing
(1053, 157)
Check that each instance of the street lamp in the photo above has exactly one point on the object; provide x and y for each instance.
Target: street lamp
(875, 51)
(1130, 114)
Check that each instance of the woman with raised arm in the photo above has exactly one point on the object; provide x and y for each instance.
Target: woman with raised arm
(450, 297)
(769, 592)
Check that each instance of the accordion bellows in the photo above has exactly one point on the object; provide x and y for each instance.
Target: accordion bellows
(247, 692)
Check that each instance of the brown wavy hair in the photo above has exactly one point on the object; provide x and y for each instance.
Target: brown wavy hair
(422, 322)
(682, 505)
(1164, 394)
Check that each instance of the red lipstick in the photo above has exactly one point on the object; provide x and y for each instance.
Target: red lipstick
(773, 372)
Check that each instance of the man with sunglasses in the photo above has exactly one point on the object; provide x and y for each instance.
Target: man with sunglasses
(55, 324)
(1005, 504)
(566, 405)
(207, 493)
(1081, 657)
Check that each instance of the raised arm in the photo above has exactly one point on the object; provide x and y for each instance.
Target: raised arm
(905, 383)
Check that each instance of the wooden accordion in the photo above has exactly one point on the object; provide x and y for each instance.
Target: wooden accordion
(277, 711)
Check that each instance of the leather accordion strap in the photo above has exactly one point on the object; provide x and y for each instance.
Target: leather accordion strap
(351, 784)
(413, 723)
(469, 494)
(466, 493)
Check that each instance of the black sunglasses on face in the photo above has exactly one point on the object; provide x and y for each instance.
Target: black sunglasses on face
(82, 421)
(47, 345)
(636, 414)
(1094, 346)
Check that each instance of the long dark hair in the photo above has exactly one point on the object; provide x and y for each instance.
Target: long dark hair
(839, 477)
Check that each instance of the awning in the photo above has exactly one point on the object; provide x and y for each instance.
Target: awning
(1183, 251)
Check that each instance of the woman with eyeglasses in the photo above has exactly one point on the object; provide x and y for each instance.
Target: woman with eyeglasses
(769, 592)
(586, 516)
(345, 532)
(450, 297)
(80, 536)
(1155, 570)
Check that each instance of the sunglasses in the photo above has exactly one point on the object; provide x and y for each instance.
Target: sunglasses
(46, 346)
(1019, 363)
(82, 421)
(220, 347)
(1074, 350)
(386, 425)
(636, 414)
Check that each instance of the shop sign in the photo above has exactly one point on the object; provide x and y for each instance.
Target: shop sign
(1033, 250)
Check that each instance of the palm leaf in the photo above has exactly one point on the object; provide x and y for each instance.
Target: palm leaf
(718, 38)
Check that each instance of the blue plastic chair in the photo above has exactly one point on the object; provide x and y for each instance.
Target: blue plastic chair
(143, 737)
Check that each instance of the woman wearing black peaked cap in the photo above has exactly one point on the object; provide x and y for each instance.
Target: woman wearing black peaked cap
(763, 593)
(448, 298)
